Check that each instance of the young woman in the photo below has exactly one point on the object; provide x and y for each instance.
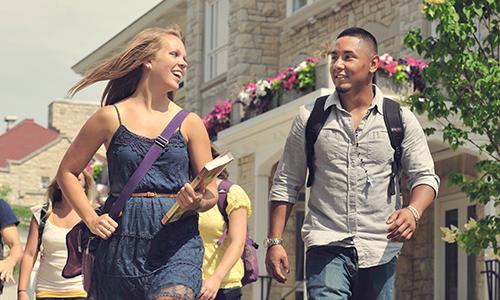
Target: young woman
(222, 264)
(138, 258)
(60, 218)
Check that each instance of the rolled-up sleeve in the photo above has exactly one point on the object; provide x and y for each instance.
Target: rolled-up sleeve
(417, 159)
(291, 172)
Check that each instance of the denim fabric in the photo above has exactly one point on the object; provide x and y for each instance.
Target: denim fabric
(332, 273)
(229, 294)
(144, 259)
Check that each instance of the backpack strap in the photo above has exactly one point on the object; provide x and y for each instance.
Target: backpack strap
(222, 190)
(395, 129)
(314, 124)
(41, 226)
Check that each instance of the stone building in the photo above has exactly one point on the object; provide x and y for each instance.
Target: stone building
(30, 154)
(233, 42)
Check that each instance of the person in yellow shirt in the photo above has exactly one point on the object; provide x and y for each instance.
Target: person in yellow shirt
(222, 264)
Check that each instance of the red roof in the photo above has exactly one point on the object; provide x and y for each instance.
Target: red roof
(24, 139)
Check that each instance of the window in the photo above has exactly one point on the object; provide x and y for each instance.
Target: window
(294, 5)
(471, 261)
(451, 259)
(44, 182)
(216, 38)
(455, 271)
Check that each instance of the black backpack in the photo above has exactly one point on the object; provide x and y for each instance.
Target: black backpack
(393, 123)
(43, 219)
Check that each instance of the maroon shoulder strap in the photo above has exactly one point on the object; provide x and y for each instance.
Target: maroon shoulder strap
(223, 189)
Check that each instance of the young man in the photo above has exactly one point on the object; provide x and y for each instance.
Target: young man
(355, 227)
(9, 234)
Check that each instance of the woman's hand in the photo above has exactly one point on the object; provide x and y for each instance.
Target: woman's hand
(103, 226)
(22, 295)
(209, 288)
(6, 268)
(188, 198)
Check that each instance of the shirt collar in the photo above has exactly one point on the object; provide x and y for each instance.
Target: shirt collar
(377, 101)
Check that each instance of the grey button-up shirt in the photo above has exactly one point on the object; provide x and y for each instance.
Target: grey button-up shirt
(349, 202)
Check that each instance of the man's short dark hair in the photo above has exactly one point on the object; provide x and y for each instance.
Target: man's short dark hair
(362, 34)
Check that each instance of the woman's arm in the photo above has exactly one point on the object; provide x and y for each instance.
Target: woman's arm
(97, 131)
(199, 153)
(237, 232)
(11, 238)
(29, 258)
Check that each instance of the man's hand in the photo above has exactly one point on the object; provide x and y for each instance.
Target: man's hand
(6, 268)
(403, 225)
(276, 258)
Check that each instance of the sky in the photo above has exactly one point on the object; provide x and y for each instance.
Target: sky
(40, 40)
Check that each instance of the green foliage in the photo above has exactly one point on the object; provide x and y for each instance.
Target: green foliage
(23, 214)
(307, 76)
(462, 94)
(97, 172)
(4, 191)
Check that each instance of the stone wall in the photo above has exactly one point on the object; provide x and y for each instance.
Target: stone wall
(25, 178)
(386, 20)
(253, 50)
(253, 41)
(194, 48)
(68, 116)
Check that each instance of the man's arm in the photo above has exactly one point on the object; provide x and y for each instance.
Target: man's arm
(11, 238)
(288, 181)
(422, 180)
(404, 221)
(276, 256)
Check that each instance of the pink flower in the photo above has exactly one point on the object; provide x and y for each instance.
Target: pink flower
(415, 62)
(251, 87)
(390, 67)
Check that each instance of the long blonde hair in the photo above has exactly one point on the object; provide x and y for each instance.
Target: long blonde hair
(54, 193)
(124, 70)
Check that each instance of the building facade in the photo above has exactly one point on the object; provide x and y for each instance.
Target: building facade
(32, 153)
(233, 42)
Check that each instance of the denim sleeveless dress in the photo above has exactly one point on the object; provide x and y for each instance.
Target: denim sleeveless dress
(144, 259)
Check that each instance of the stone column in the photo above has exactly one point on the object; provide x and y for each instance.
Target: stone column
(253, 41)
(194, 48)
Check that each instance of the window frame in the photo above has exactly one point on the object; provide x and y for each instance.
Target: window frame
(290, 9)
(213, 9)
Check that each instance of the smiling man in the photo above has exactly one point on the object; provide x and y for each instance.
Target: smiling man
(356, 223)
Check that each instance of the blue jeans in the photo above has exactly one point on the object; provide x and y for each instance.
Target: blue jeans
(229, 294)
(332, 273)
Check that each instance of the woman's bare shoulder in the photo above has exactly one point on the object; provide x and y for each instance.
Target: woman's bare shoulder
(102, 124)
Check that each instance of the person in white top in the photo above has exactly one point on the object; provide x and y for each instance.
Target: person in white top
(60, 218)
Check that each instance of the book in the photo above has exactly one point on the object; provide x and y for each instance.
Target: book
(208, 174)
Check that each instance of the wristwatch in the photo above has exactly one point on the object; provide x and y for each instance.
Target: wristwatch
(268, 242)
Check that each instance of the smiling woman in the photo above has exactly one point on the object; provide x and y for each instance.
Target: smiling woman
(155, 261)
